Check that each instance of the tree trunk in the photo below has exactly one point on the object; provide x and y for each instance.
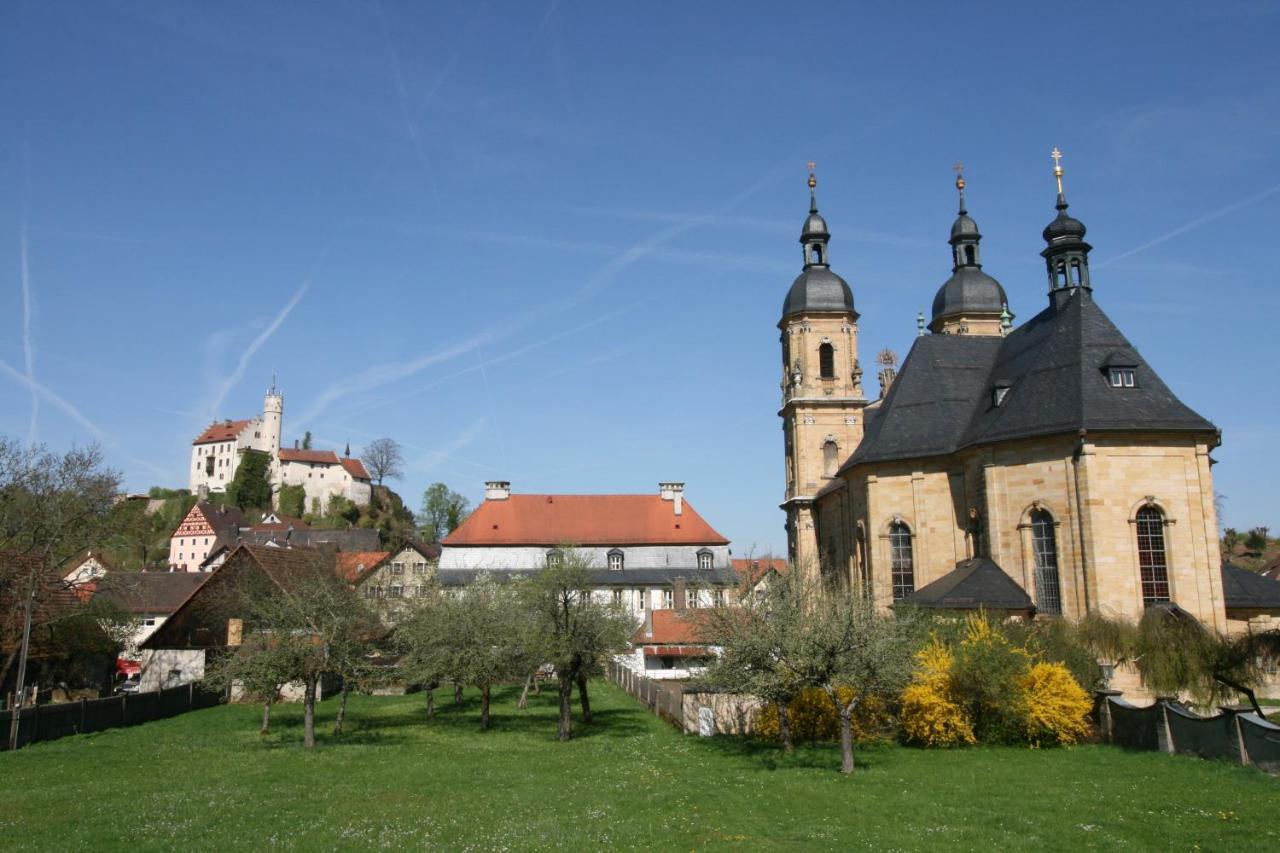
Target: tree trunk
(484, 707)
(784, 728)
(431, 702)
(309, 713)
(342, 709)
(524, 694)
(266, 717)
(846, 740)
(583, 697)
(457, 693)
(566, 706)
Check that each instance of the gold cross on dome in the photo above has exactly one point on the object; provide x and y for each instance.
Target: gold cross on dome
(1057, 166)
(958, 168)
(813, 181)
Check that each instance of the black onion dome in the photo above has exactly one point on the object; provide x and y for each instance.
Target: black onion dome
(814, 226)
(1063, 225)
(964, 226)
(818, 289)
(969, 291)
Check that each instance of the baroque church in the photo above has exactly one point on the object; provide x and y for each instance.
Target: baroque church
(1044, 468)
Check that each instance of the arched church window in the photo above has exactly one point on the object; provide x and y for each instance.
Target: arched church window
(1044, 546)
(1075, 272)
(817, 253)
(1061, 275)
(827, 361)
(901, 565)
(970, 255)
(830, 458)
(1152, 560)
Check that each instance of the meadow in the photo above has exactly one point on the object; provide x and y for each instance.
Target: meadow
(208, 780)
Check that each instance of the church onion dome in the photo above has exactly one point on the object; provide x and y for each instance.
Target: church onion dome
(969, 291)
(818, 289)
(1063, 226)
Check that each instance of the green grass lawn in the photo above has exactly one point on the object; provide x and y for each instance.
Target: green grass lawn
(207, 780)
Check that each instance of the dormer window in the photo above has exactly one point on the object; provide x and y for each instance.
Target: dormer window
(704, 560)
(1121, 377)
(615, 560)
(998, 393)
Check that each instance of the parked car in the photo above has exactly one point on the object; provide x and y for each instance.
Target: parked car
(130, 684)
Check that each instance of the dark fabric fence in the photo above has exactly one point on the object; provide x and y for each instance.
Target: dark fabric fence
(1237, 734)
(49, 722)
(1207, 737)
(1133, 727)
(1261, 742)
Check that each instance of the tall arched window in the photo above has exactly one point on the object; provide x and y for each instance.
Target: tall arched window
(827, 361)
(1045, 547)
(830, 458)
(901, 567)
(1152, 562)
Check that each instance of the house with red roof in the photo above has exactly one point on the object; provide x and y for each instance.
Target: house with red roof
(645, 551)
(217, 452)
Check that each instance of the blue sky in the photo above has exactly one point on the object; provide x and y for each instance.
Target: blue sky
(549, 242)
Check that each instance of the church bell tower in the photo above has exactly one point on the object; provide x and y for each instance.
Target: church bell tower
(822, 399)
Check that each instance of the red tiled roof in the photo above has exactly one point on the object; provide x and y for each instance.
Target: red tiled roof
(583, 520)
(672, 628)
(349, 563)
(325, 457)
(355, 468)
(750, 570)
(221, 431)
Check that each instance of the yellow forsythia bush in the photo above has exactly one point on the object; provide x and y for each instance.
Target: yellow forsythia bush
(1057, 707)
(813, 717)
(930, 715)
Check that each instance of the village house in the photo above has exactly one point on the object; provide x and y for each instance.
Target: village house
(88, 567)
(671, 644)
(638, 546)
(389, 580)
(147, 599)
(205, 529)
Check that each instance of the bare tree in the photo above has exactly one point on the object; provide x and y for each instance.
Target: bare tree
(383, 458)
(577, 632)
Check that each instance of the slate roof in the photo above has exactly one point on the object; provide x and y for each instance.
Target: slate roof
(817, 288)
(1055, 368)
(974, 583)
(1246, 590)
(602, 577)
(149, 592)
(221, 431)
(548, 520)
(343, 539)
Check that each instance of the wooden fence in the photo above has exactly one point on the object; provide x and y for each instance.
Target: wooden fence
(664, 698)
(49, 722)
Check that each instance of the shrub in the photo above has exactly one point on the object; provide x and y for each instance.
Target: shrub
(292, 500)
(1056, 708)
(986, 679)
(813, 717)
(930, 715)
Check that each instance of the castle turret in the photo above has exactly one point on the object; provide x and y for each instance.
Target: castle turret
(272, 418)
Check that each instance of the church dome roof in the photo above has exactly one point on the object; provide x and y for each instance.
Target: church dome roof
(814, 226)
(969, 291)
(964, 226)
(817, 288)
(1063, 225)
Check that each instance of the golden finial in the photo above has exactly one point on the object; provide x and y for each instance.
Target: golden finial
(1057, 166)
(813, 181)
(959, 170)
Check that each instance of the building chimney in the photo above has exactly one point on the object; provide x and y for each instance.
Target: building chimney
(497, 490)
(678, 593)
(673, 492)
(295, 444)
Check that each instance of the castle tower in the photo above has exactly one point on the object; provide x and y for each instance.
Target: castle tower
(970, 302)
(822, 399)
(272, 418)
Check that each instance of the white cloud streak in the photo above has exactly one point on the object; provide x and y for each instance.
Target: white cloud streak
(440, 455)
(28, 347)
(39, 390)
(243, 364)
(1195, 223)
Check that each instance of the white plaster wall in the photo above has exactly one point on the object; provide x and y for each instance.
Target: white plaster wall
(157, 663)
(634, 556)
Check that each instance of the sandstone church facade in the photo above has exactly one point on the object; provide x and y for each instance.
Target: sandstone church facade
(1044, 469)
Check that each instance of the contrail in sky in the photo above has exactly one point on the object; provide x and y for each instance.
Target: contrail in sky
(28, 350)
(1195, 223)
(261, 339)
(38, 390)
